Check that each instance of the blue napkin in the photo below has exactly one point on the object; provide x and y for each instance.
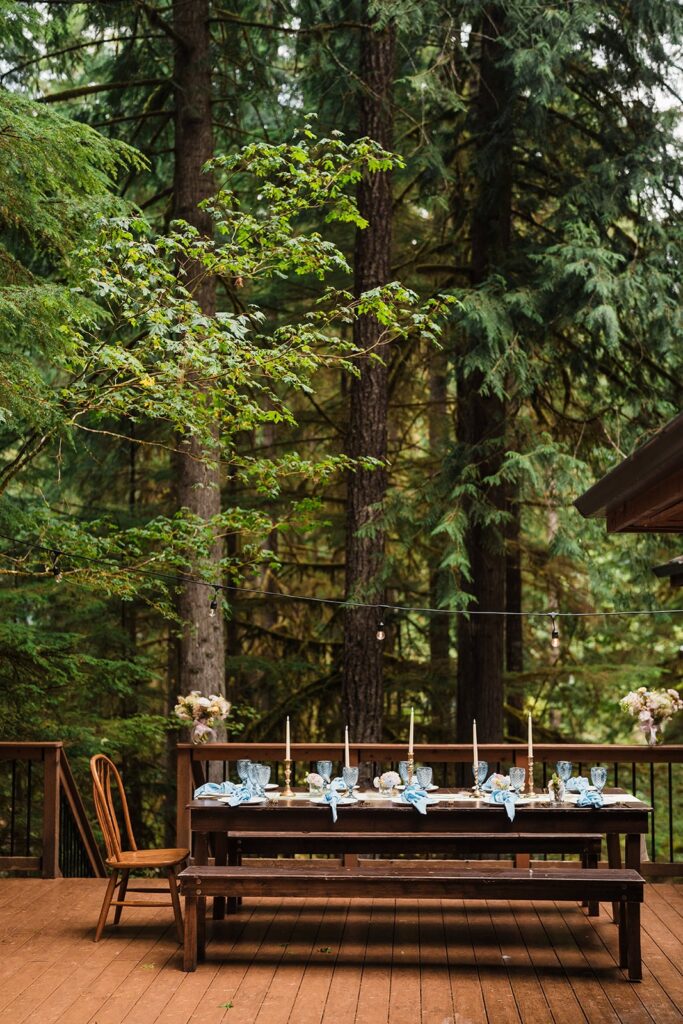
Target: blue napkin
(241, 794)
(331, 797)
(215, 789)
(417, 797)
(590, 798)
(579, 784)
(508, 798)
(487, 786)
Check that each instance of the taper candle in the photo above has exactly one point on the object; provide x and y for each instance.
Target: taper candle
(531, 742)
(347, 756)
(288, 750)
(475, 745)
(411, 734)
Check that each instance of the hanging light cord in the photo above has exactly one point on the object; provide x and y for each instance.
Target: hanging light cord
(186, 578)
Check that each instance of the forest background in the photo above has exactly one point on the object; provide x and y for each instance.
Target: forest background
(343, 300)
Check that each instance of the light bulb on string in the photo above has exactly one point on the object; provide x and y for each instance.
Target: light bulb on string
(380, 634)
(554, 634)
(56, 571)
(214, 604)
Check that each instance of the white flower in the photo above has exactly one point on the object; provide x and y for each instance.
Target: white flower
(315, 780)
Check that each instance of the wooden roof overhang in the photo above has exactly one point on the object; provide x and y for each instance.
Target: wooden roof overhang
(644, 493)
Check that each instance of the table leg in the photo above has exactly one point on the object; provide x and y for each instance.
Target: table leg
(220, 850)
(632, 851)
(614, 861)
(234, 860)
(201, 848)
(635, 967)
(201, 927)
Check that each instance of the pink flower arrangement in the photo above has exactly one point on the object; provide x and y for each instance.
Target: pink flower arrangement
(653, 709)
(201, 714)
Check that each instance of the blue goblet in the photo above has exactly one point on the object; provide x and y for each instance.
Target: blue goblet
(479, 771)
(564, 770)
(350, 777)
(324, 769)
(403, 772)
(517, 779)
(599, 778)
(424, 777)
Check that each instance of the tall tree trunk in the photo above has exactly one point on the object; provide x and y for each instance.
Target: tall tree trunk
(367, 431)
(514, 637)
(197, 477)
(442, 686)
(481, 417)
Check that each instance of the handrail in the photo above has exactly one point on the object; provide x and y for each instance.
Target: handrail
(193, 761)
(60, 797)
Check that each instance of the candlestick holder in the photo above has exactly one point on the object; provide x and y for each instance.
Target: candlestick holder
(530, 777)
(287, 790)
(411, 768)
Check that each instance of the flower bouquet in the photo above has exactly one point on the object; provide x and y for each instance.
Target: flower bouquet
(653, 709)
(200, 714)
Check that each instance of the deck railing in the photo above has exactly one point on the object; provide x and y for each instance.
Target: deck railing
(43, 824)
(655, 774)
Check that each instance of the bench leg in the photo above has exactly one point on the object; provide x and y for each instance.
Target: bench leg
(590, 860)
(635, 967)
(614, 861)
(234, 853)
(221, 857)
(190, 943)
(623, 936)
(201, 927)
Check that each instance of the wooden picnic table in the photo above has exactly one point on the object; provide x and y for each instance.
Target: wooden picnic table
(454, 814)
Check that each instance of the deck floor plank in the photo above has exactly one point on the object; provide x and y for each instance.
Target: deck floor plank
(333, 962)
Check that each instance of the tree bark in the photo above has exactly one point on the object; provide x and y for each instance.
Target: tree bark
(442, 684)
(514, 637)
(482, 417)
(368, 399)
(197, 477)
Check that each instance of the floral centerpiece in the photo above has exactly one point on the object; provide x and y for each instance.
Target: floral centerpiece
(201, 713)
(653, 709)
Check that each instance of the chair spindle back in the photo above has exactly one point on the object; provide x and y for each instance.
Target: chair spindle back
(106, 783)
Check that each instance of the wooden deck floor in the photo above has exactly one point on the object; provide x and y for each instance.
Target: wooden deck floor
(334, 963)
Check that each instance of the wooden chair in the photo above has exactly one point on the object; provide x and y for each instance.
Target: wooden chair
(106, 784)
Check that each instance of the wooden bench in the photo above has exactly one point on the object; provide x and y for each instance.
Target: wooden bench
(389, 844)
(431, 882)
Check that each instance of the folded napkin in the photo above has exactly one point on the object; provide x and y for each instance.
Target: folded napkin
(579, 784)
(494, 782)
(331, 797)
(508, 798)
(590, 798)
(415, 796)
(241, 794)
(215, 789)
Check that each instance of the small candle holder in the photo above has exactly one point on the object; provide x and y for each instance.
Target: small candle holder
(411, 768)
(479, 770)
(287, 790)
(530, 777)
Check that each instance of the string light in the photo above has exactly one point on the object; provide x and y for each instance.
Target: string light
(214, 603)
(554, 633)
(187, 579)
(380, 634)
(56, 571)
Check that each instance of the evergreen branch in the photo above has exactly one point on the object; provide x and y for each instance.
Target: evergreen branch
(223, 15)
(70, 49)
(89, 90)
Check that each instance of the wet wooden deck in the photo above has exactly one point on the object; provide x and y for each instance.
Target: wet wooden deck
(334, 963)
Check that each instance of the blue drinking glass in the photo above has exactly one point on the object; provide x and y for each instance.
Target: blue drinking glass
(350, 777)
(599, 778)
(517, 779)
(480, 770)
(324, 768)
(564, 770)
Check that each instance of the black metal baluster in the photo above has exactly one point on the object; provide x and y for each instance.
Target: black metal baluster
(13, 809)
(29, 799)
(652, 801)
(616, 773)
(634, 779)
(671, 813)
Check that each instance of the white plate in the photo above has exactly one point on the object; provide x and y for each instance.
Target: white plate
(400, 800)
(430, 788)
(343, 801)
(271, 785)
(519, 802)
(251, 800)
